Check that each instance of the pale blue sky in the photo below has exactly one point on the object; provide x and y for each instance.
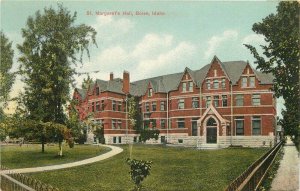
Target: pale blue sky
(188, 35)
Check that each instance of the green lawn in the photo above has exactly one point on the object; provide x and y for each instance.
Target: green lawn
(172, 169)
(31, 155)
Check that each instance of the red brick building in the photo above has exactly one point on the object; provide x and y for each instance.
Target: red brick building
(222, 104)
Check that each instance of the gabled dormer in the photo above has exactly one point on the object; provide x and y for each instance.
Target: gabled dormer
(187, 82)
(216, 77)
(248, 78)
(150, 89)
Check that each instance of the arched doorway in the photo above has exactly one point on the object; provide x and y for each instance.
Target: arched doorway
(211, 131)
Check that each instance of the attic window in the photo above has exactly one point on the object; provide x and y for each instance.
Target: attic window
(248, 71)
(150, 92)
(252, 81)
(190, 86)
(183, 87)
(186, 77)
(215, 72)
(97, 90)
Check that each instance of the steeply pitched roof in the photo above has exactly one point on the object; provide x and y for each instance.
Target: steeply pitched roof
(169, 82)
(82, 92)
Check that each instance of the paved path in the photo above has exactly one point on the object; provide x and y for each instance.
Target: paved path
(114, 151)
(287, 177)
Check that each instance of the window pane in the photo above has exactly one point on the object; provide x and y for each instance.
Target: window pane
(224, 100)
(208, 101)
(239, 126)
(252, 81)
(181, 123)
(239, 99)
(162, 106)
(223, 83)
(153, 106)
(255, 99)
(216, 84)
(195, 102)
(190, 86)
(181, 104)
(244, 82)
(183, 87)
(256, 125)
(208, 84)
(216, 101)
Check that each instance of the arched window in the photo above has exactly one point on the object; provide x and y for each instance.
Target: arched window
(211, 122)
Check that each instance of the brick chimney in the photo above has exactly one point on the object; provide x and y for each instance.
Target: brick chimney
(126, 82)
(111, 76)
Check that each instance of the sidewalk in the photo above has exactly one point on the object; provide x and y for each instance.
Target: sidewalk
(114, 151)
(287, 177)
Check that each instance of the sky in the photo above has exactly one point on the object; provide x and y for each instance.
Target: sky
(184, 34)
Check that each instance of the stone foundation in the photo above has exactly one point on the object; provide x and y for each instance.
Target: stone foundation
(195, 141)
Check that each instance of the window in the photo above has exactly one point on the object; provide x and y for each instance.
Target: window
(162, 123)
(223, 83)
(134, 139)
(208, 101)
(224, 101)
(119, 125)
(154, 106)
(183, 87)
(239, 125)
(153, 123)
(216, 84)
(256, 125)
(255, 99)
(114, 105)
(216, 101)
(239, 100)
(181, 104)
(244, 82)
(97, 106)
(114, 124)
(162, 105)
(102, 105)
(195, 102)
(97, 91)
(93, 106)
(120, 139)
(215, 72)
(190, 86)
(147, 108)
(180, 140)
(208, 84)
(252, 81)
(194, 127)
(150, 92)
(119, 106)
(114, 139)
(180, 123)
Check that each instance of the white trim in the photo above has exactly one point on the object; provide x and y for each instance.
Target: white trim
(183, 96)
(150, 100)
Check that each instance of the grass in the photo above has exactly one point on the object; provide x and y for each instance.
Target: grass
(172, 169)
(31, 155)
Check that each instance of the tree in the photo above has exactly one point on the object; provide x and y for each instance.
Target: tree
(281, 58)
(87, 82)
(133, 113)
(6, 77)
(52, 45)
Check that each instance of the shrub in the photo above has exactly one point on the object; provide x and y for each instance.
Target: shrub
(139, 170)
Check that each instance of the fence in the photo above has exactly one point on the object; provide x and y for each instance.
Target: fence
(252, 178)
(20, 182)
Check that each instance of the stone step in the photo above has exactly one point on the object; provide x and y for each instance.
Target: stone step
(209, 146)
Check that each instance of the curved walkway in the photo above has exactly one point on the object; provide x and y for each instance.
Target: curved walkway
(114, 151)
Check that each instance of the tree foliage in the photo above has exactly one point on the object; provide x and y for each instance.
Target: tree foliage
(147, 134)
(52, 46)
(6, 77)
(134, 115)
(281, 58)
(139, 170)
